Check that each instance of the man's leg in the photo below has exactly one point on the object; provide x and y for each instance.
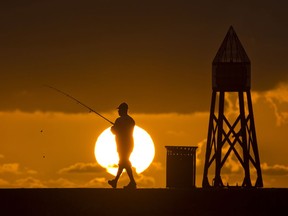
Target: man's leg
(130, 174)
(113, 182)
(132, 183)
(119, 172)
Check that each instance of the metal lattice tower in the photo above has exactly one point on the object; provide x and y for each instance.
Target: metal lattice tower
(231, 73)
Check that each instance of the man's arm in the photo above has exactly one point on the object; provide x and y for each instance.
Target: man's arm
(114, 127)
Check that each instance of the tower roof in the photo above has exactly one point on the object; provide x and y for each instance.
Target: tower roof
(231, 50)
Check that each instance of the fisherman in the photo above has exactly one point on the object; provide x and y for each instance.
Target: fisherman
(123, 130)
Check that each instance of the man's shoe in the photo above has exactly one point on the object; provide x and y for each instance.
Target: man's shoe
(131, 185)
(113, 183)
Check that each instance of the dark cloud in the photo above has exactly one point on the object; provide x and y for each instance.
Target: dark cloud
(82, 168)
(275, 170)
(155, 55)
(29, 182)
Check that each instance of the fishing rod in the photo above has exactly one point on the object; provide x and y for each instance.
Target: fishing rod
(79, 102)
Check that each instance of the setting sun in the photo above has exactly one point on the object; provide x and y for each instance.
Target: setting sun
(141, 157)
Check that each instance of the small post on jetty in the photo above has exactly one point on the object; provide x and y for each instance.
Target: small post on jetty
(180, 166)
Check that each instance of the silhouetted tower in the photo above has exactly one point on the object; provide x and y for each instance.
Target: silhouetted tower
(231, 74)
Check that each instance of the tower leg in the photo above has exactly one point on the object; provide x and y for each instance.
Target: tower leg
(219, 144)
(247, 180)
(259, 180)
(209, 144)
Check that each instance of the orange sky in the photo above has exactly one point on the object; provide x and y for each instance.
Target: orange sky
(155, 56)
(68, 141)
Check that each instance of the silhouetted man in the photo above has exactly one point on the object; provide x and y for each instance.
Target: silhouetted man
(123, 129)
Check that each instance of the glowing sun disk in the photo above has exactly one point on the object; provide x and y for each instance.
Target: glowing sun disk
(106, 152)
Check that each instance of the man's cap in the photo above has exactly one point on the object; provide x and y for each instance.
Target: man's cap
(123, 106)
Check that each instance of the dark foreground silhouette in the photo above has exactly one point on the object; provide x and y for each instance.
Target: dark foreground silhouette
(123, 130)
(92, 201)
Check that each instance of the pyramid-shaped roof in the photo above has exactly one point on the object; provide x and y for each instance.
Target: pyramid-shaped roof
(231, 50)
